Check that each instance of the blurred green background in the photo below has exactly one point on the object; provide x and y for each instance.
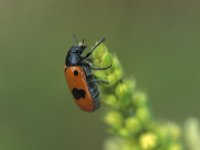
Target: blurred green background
(157, 42)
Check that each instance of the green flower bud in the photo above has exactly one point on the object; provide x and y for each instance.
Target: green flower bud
(100, 51)
(124, 132)
(131, 84)
(120, 144)
(118, 74)
(129, 146)
(100, 74)
(133, 125)
(121, 90)
(111, 101)
(163, 134)
(111, 79)
(106, 61)
(102, 58)
(114, 119)
(116, 64)
(168, 132)
(123, 93)
(139, 99)
(144, 115)
(174, 131)
(148, 141)
(175, 146)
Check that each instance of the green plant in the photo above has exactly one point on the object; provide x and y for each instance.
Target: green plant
(128, 115)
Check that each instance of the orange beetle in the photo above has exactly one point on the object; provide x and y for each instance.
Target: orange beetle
(80, 79)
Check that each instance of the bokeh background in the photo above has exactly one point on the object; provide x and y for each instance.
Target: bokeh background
(157, 42)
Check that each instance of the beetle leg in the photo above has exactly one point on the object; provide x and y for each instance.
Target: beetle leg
(95, 68)
(100, 68)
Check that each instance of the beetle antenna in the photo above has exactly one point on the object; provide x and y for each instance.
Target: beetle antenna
(75, 38)
(98, 43)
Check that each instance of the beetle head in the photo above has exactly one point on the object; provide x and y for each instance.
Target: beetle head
(79, 47)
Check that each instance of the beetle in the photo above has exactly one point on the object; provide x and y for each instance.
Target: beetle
(79, 76)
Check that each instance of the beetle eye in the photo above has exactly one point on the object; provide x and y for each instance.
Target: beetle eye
(83, 47)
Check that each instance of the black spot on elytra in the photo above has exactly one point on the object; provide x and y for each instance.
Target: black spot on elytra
(75, 72)
(78, 93)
